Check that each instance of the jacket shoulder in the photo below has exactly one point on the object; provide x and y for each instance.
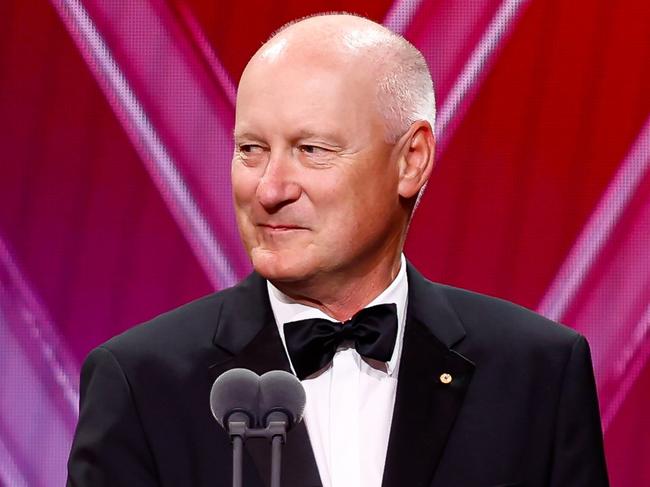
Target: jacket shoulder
(496, 320)
(181, 331)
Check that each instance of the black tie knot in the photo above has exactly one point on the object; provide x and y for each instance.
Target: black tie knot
(312, 343)
(346, 330)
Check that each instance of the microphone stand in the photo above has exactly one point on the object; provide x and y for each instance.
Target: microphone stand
(237, 430)
(276, 460)
(278, 434)
(276, 431)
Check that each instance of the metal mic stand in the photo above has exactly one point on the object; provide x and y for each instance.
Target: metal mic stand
(276, 431)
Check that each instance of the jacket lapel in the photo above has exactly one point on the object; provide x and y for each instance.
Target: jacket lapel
(431, 386)
(247, 337)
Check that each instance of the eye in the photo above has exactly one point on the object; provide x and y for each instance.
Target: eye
(313, 149)
(251, 148)
(251, 154)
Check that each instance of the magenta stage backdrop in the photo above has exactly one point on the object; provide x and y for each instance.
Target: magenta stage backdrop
(115, 144)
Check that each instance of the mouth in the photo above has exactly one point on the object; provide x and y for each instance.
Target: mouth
(279, 227)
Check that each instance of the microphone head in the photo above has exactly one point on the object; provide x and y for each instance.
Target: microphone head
(281, 392)
(235, 391)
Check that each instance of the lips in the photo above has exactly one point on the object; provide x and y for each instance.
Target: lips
(281, 226)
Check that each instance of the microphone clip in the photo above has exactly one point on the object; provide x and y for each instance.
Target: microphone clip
(273, 429)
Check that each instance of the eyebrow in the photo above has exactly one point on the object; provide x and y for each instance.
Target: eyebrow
(299, 135)
(327, 135)
(243, 135)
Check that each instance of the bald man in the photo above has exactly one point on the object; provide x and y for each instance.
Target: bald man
(408, 383)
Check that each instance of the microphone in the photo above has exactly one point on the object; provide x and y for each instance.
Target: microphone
(234, 403)
(249, 406)
(234, 398)
(282, 398)
(282, 404)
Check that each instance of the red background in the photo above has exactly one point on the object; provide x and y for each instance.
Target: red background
(553, 116)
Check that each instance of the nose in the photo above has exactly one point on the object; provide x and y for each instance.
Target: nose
(278, 186)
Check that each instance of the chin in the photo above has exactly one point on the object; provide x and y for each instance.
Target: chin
(281, 266)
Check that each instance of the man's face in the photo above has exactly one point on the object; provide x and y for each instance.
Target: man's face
(314, 182)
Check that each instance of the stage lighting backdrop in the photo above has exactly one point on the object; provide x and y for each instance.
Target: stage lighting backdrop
(115, 145)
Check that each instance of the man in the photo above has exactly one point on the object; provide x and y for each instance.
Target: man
(333, 145)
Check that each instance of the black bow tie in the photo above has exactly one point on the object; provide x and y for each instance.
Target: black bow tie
(312, 343)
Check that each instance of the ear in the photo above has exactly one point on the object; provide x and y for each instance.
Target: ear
(417, 159)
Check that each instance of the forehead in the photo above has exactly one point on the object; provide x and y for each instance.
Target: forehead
(307, 91)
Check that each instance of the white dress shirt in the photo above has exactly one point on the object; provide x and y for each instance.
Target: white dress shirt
(349, 402)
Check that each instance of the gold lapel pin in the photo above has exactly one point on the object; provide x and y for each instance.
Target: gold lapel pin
(446, 378)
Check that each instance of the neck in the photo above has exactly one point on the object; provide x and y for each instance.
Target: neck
(343, 294)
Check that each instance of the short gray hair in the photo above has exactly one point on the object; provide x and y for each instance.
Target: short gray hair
(405, 88)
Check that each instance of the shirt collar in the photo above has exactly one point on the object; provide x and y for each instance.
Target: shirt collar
(286, 310)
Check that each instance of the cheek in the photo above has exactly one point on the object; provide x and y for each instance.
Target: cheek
(244, 186)
(371, 205)
(341, 214)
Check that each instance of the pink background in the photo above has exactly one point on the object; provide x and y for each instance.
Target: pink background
(115, 140)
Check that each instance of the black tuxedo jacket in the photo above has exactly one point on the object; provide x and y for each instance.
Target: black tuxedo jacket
(520, 410)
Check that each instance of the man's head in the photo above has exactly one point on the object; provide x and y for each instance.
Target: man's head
(333, 142)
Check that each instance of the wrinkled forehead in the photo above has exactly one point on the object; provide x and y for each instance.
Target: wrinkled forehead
(302, 93)
(317, 75)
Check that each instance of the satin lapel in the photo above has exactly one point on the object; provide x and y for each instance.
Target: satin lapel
(247, 313)
(427, 401)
